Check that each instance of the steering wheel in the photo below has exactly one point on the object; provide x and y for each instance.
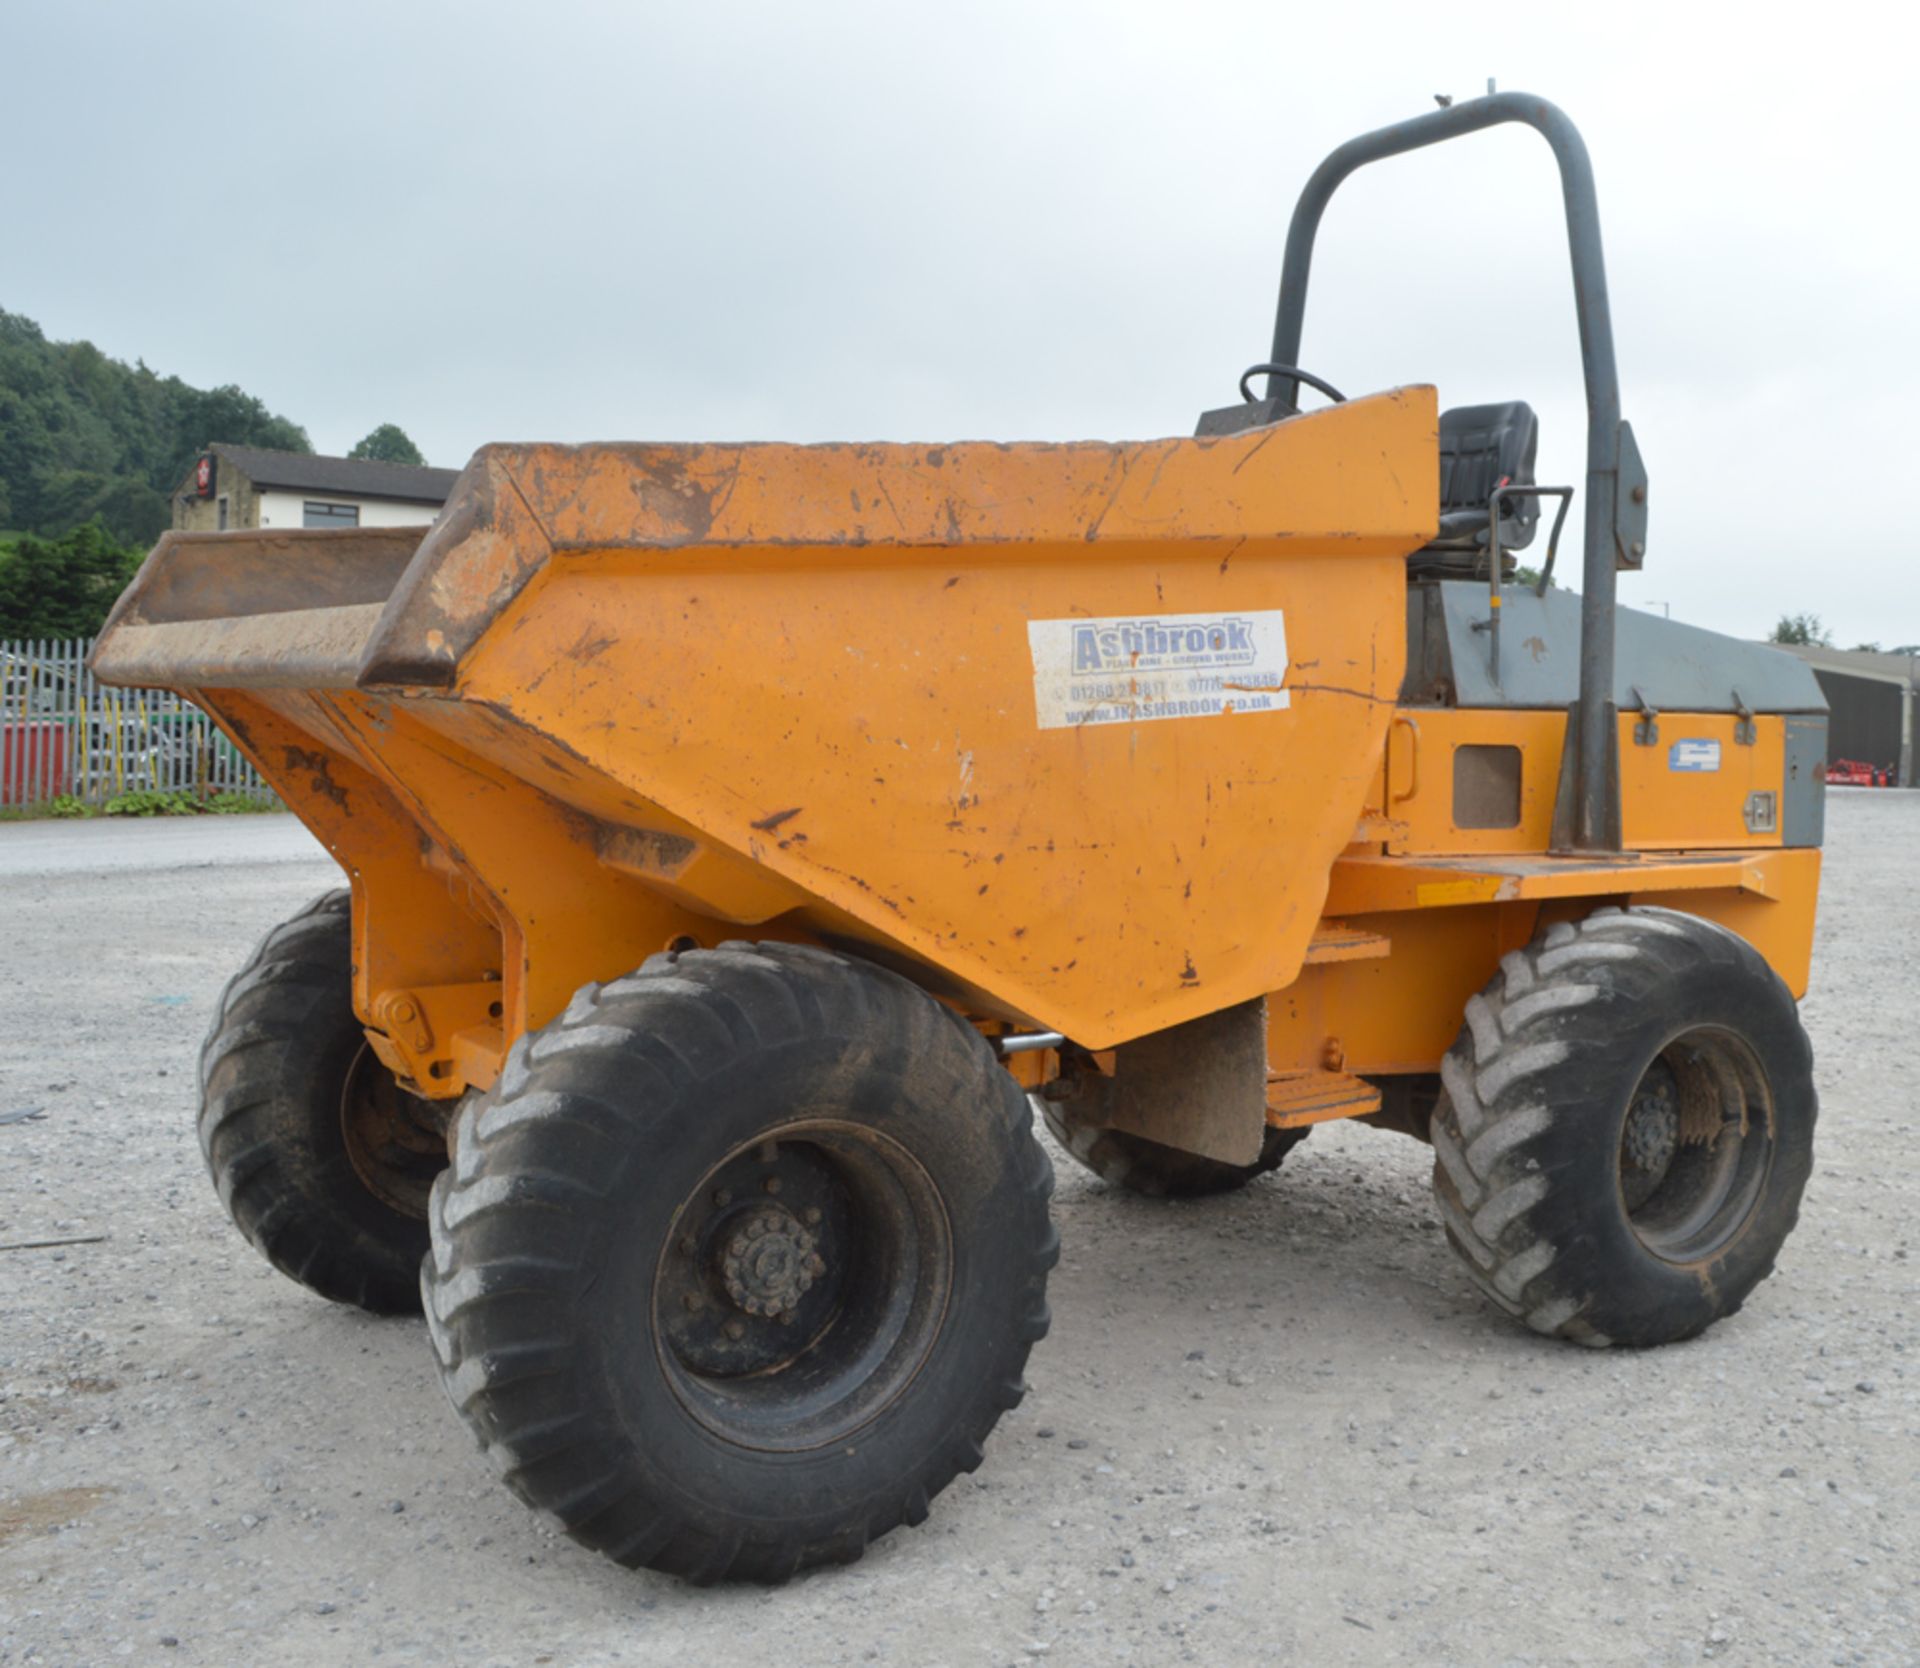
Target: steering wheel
(1293, 373)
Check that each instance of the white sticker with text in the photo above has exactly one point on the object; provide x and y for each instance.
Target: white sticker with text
(1694, 754)
(1151, 666)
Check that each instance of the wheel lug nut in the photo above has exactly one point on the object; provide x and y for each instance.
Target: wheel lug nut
(772, 1184)
(813, 1215)
(736, 1330)
(721, 1196)
(694, 1302)
(689, 1244)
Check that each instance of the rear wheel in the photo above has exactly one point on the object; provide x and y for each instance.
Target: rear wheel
(323, 1161)
(1626, 1128)
(1160, 1172)
(741, 1259)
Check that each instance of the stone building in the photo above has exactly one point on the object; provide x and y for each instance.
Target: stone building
(250, 486)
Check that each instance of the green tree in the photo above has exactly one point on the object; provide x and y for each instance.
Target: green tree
(83, 435)
(387, 444)
(1803, 631)
(225, 413)
(63, 587)
(126, 506)
(133, 511)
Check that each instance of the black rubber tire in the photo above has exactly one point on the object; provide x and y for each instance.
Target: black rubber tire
(273, 1071)
(1527, 1136)
(1155, 1171)
(552, 1233)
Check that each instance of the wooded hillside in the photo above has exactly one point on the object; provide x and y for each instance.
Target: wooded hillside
(85, 436)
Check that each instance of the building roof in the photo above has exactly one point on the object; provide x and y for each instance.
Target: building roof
(344, 477)
(1859, 663)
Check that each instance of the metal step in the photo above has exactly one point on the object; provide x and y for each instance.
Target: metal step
(1298, 1098)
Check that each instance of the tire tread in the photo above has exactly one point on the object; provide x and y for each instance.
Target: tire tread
(1495, 1185)
(685, 1016)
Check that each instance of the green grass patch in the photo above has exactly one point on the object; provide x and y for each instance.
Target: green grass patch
(151, 802)
(144, 802)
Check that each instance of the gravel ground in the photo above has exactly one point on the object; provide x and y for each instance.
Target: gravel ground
(55, 846)
(1275, 1427)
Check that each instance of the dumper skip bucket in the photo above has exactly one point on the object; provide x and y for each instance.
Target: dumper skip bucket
(1072, 733)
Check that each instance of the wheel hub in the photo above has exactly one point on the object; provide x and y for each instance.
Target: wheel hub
(758, 1261)
(770, 1263)
(1696, 1145)
(801, 1283)
(395, 1140)
(1653, 1123)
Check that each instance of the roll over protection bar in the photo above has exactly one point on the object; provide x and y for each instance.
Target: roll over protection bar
(1588, 815)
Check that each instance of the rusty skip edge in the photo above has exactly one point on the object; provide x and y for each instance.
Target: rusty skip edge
(310, 609)
(253, 609)
(401, 607)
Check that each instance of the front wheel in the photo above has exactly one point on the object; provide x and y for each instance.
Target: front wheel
(741, 1259)
(1626, 1128)
(321, 1158)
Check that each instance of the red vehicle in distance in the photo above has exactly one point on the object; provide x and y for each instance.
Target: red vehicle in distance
(1851, 773)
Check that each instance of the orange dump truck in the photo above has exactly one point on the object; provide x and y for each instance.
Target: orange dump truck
(742, 839)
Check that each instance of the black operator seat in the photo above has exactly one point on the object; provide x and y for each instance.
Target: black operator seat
(1482, 448)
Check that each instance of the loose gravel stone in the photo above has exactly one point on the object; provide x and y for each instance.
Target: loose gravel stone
(147, 1378)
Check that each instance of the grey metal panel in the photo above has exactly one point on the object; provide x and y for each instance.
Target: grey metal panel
(1803, 791)
(1678, 668)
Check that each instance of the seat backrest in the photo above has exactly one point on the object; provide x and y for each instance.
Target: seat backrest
(1481, 448)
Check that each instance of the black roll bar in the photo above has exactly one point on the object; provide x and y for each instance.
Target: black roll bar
(1616, 508)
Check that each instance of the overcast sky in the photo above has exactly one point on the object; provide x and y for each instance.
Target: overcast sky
(573, 221)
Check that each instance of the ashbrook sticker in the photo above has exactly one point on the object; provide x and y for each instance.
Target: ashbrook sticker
(1135, 670)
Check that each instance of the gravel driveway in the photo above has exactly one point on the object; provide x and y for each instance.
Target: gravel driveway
(1274, 1428)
